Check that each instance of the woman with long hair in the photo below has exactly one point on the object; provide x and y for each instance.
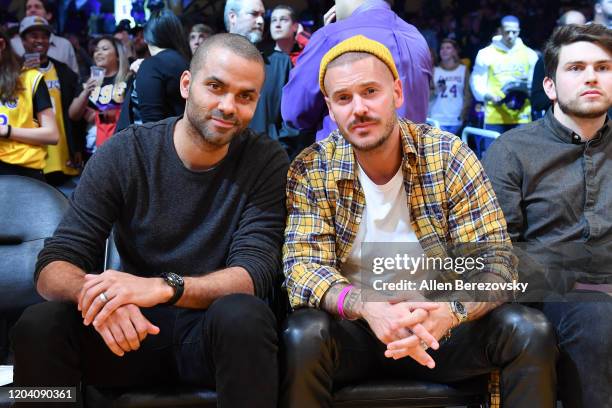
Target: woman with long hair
(101, 98)
(451, 92)
(27, 121)
(157, 83)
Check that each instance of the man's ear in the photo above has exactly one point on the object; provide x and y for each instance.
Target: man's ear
(185, 84)
(231, 17)
(48, 17)
(549, 88)
(398, 93)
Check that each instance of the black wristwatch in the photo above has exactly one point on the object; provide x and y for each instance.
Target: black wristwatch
(177, 283)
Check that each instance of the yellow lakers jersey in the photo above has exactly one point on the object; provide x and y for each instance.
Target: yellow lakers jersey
(20, 114)
(507, 67)
(58, 155)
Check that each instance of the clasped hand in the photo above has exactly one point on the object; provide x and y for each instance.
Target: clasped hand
(116, 316)
(409, 328)
(119, 288)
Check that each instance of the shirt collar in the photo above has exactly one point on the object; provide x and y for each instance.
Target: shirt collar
(371, 4)
(567, 135)
(343, 160)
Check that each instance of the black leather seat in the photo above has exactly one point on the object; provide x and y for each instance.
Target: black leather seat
(375, 394)
(382, 393)
(29, 212)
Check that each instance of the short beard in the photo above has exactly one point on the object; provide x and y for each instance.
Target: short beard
(199, 122)
(572, 109)
(387, 131)
(254, 37)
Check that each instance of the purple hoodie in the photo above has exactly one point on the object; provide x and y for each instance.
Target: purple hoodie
(303, 105)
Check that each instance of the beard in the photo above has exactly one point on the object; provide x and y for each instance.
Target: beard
(584, 111)
(200, 119)
(368, 147)
(254, 36)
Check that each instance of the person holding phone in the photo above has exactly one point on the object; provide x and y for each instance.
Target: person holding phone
(65, 158)
(101, 103)
(27, 123)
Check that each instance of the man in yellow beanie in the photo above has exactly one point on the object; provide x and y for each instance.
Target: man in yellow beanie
(379, 194)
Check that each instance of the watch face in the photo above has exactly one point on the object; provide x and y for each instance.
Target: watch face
(173, 279)
(460, 308)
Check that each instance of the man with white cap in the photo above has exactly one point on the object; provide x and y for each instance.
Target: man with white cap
(63, 83)
(60, 48)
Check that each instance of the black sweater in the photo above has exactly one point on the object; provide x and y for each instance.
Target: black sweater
(157, 86)
(168, 218)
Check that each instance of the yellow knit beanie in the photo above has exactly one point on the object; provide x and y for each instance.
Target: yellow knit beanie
(358, 43)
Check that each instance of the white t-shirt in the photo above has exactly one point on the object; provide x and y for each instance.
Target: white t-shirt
(446, 107)
(386, 218)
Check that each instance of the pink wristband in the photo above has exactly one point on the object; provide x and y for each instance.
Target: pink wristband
(341, 298)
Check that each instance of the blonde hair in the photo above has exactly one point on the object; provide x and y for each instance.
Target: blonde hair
(123, 68)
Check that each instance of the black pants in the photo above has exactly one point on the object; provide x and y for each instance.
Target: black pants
(7, 169)
(323, 354)
(584, 329)
(230, 347)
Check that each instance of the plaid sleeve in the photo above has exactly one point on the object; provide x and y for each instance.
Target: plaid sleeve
(475, 215)
(309, 255)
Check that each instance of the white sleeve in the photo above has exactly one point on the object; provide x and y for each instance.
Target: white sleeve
(479, 77)
(72, 60)
(533, 60)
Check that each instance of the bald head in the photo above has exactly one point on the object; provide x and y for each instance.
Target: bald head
(237, 44)
(572, 17)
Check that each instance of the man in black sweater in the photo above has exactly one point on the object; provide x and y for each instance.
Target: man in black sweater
(197, 208)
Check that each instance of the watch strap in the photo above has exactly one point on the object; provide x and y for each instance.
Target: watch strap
(176, 282)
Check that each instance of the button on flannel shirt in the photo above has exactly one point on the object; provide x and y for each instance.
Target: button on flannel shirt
(450, 198)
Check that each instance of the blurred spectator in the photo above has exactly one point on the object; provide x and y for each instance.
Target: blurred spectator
(60, 48)
(603, 12)
(84, 59)
(122, 33)
(502, 78)
(246, 18)
(539, 101)
(103, 93)
(287, 32)
(65, 158)
(197, 35)
(469, 35)
(571, 17)
(27, 122)
(451, 92)
(303, 105)
(140, 46)
(156, 84)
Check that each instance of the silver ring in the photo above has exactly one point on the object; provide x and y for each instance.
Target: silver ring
(103, 297)
(424, 345)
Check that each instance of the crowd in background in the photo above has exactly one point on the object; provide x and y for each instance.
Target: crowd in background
(141, 67)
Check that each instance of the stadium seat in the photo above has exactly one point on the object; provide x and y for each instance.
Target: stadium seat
(31, 211)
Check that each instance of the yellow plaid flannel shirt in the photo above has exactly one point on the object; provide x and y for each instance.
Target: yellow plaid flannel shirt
(450, 198)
